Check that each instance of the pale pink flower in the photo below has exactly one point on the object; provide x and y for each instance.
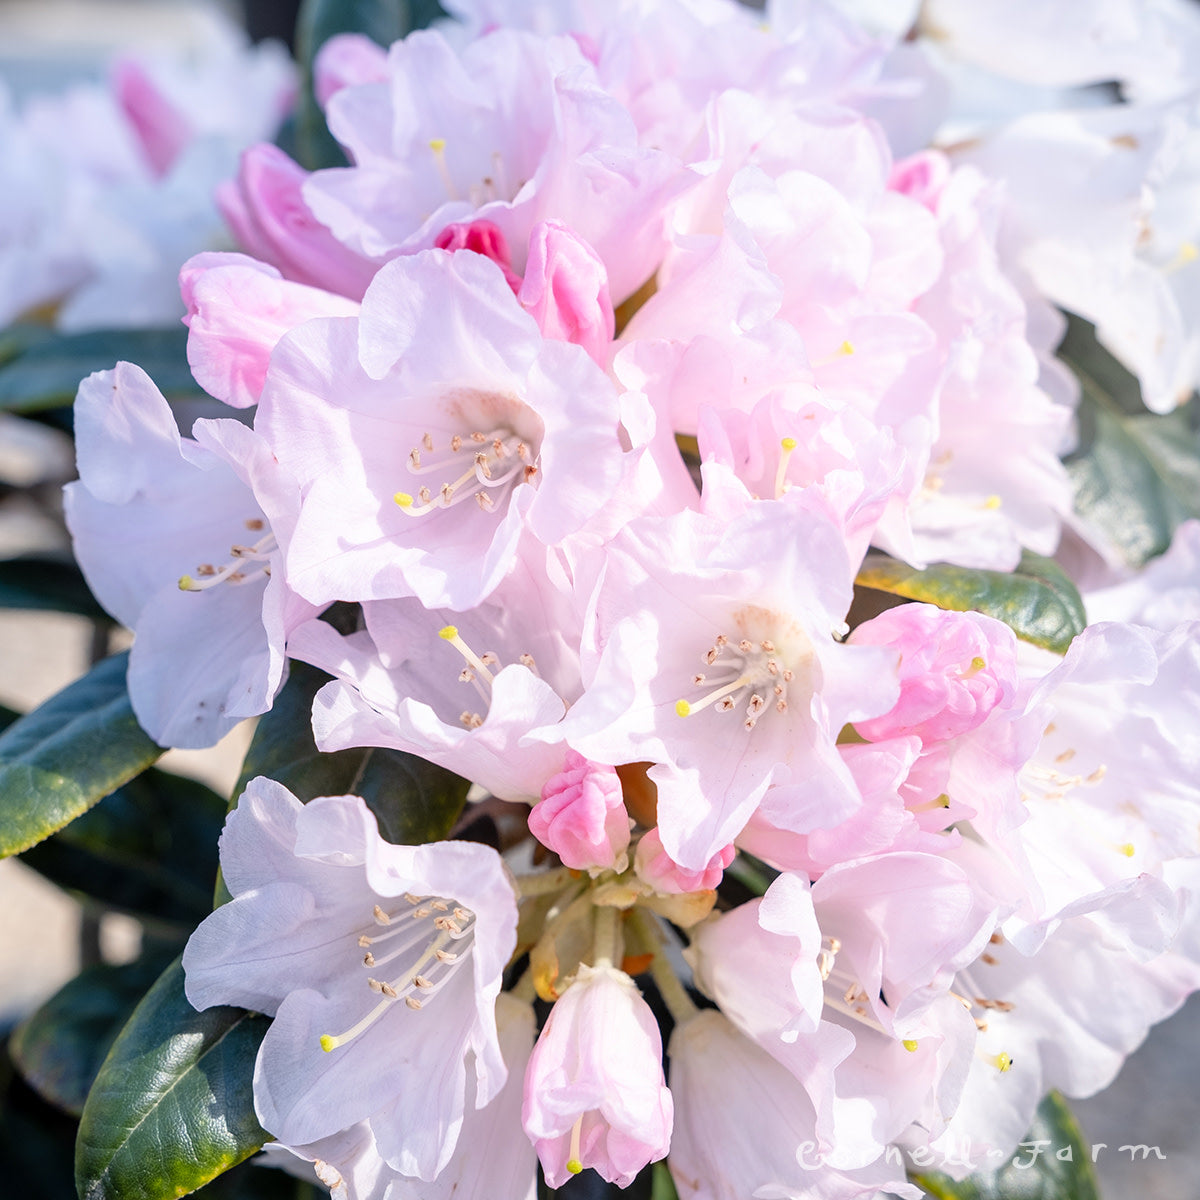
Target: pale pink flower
(437, 428)
(381, 1036)
(513, 129)
(581, 816)
(175, 538)
(716, 661)
(594, 1089)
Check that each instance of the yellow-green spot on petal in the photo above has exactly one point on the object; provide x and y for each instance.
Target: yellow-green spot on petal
(403, 499)
(448, 632)
(910, 1045)
(328, 1042)
(683, 708)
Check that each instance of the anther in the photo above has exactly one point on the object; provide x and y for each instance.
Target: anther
(381, 917)
(412, 1002)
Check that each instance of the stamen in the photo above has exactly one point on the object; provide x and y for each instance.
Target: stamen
(430, 970)
(574, 1162)
(234, 572)
(438, 146)
(1002, 1061)
(788, 445)
(449, 633)
(910, 1045)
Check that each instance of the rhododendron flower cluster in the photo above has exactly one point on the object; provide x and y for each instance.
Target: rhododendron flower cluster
(624, 343)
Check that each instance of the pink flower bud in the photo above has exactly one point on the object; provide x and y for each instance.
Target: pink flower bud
(345, 60)
(566, 290)
(161, 128)
(482, 237)
(265, 208)
(921, 177)
(594, 1089)
(581, 816)
(955, 668)
(655, 867)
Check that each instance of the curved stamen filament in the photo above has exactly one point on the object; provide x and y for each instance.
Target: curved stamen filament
(574, 1162)
(451, 927)
(234, 571)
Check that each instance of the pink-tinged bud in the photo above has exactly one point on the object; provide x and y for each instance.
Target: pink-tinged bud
(955, 667)
(581, 816)
(162, 130)
(921, 177)
(654, 866)
(265, 208)
(595, 1095)
(347, 60)
(566, 290)
(480, 237)
(237, 310)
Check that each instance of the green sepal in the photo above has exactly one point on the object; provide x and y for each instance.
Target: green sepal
(1053, 1162)
(172, 1106)
(149, 848)
(59, 1048)
(1037, 601)
(47, 372)
(72, 751)
(1136, 473)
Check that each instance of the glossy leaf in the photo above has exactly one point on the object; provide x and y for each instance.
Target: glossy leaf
(1037, 601)
(47, 373)
(413, 800)
(47, 583)
(150, 849)
(172, 1106)
(76, 748)
(1136, 473)
(1052, 1163)
(59, 1048)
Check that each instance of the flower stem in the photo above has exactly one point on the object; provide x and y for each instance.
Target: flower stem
(679, 1004)
(605, 936)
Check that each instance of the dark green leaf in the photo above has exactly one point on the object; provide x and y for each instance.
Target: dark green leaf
(383, 21)
(1052, 1163)
(413, 800)
(150, 849)
(46, 582)
(172, 1106)
(36, 1141)
(48, 373)
(1136, 474)
(60, 759)
(60, 1047)
(1037, 601)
